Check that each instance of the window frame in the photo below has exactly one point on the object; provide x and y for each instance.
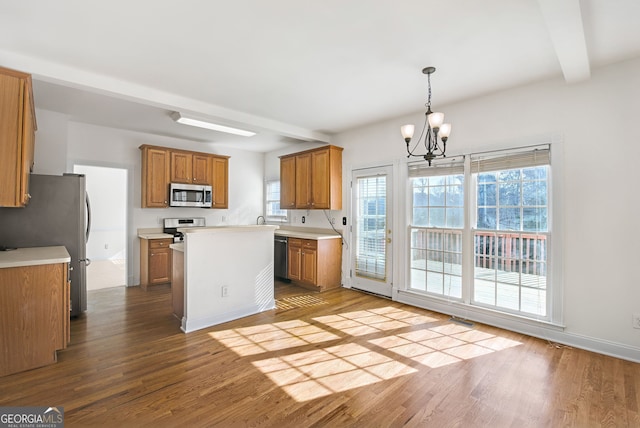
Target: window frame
(282, 218)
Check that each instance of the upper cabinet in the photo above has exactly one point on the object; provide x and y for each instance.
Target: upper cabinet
(192, 168)
(288, 182)
(162, 166)
(155, 177)
(220, 180)
(312, 179)
(17, 137)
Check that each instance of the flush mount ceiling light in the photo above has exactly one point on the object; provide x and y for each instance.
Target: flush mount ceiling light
(432, 129)
(185, 120)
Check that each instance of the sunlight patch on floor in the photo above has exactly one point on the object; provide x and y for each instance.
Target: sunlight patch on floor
(443, 344)
(312, 374)
(305, 301)
(319, 372)
(272, 337)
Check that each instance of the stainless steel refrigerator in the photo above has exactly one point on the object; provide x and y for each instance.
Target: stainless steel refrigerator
(58, 213)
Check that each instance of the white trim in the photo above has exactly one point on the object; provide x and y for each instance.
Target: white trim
(540, 329)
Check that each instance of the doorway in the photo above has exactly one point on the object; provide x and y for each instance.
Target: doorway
(107, 244)
(372, 220)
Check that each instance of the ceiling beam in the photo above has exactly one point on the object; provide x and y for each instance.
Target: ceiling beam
(564, 22)
(63, 75)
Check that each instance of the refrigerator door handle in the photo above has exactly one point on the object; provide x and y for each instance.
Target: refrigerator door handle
(88, 232)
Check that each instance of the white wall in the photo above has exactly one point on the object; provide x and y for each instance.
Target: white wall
(50, 155)
(594, 124)
(95, 145)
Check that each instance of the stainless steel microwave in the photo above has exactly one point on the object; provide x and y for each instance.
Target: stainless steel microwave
(190, 195)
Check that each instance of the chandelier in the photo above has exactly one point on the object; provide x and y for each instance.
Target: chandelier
(432, 129)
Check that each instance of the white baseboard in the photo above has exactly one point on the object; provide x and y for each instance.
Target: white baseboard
(190, 324)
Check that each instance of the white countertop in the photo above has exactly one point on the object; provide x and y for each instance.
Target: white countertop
(34, 256)
(234, 228)
(153, 233)
(155, 236)
(303, 234)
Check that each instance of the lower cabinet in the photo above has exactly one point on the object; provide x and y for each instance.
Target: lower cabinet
(315, 264)
(155, 262)
(34, 316)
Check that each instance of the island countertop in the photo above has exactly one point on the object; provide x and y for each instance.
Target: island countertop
(223, 229)
(307, 233)
(34, 256)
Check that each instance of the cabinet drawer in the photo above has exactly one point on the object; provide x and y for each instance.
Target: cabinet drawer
(310, 243)
(160, 243)
(295, 242)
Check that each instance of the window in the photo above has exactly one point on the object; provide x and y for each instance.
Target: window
(508, 231)
(272, 202)
(511, 232)
(436, 229)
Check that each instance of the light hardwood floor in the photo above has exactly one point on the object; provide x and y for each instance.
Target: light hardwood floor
(340, 358)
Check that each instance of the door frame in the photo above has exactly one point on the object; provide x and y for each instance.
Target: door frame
(130, 184)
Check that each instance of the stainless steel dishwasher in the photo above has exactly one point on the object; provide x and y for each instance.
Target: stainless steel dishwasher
(280, 256)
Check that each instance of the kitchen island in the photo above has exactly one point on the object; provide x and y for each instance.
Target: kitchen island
(226, 274)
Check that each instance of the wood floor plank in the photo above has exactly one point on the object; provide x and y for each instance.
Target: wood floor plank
(339, 358)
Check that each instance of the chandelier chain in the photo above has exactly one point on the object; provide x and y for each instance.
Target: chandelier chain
(429, 97)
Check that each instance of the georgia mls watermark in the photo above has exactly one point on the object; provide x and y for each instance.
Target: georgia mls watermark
(31, 417)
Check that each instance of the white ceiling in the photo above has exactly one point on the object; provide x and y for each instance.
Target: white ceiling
(297, 70)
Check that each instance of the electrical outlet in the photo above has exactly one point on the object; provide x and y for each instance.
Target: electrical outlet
(636, 320)
(225, 291)
(344, 221)
(303, 219)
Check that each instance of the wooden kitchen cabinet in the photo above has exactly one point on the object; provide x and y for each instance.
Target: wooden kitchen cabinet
(155, 177)
(312, 179)
(294, 262)
(288, 182)
(303, 181)
(220, 182)
(34, 315)
(17, 137)
(155, 262)
(191, 168)
(162, 166)
(315, 264)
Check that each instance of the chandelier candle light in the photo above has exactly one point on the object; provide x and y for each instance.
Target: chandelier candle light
(432, 129)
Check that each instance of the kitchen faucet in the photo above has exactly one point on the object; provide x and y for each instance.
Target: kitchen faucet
(263, 220)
